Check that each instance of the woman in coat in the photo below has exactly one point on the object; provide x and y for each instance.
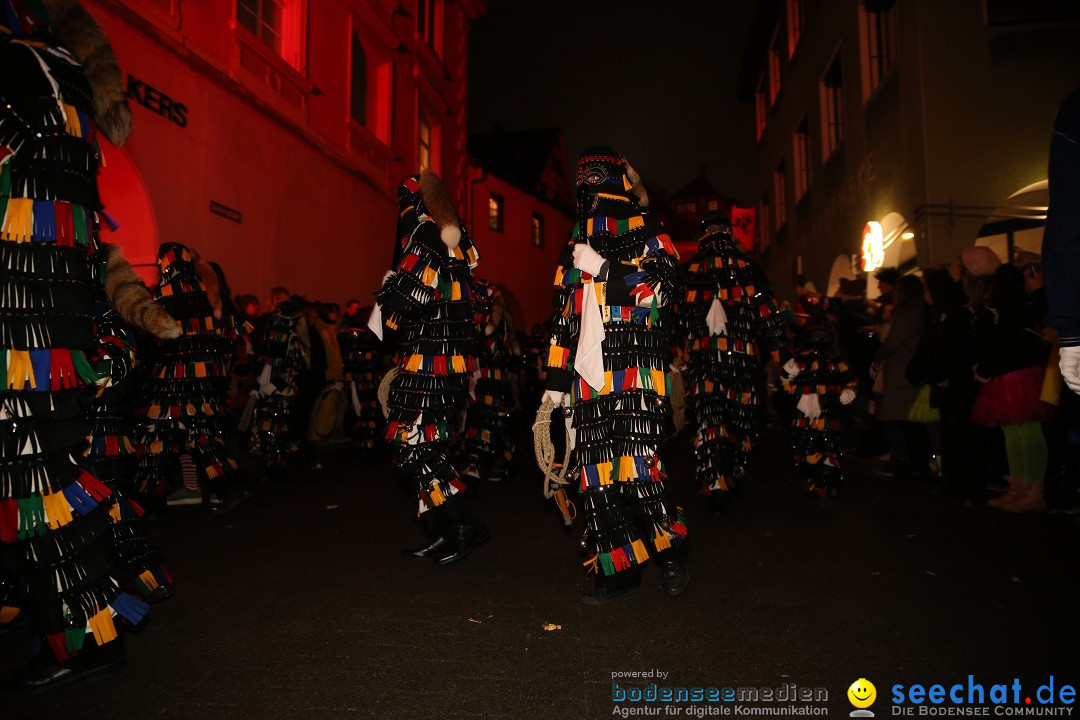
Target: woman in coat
(896, 351)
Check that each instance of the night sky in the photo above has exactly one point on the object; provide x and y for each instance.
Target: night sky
(654, 80)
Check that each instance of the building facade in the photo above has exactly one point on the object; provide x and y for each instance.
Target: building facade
(685, 210)
(521, 214)
(898, 132)
(271, 135)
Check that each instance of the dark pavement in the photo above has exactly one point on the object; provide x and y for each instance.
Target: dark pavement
(299, 606)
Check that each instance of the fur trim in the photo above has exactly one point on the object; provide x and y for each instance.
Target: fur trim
(211, 284)
(133, 301)
(79, 33)
(440, 208)
(638, 187)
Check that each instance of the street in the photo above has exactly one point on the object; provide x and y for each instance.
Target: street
(299, 606)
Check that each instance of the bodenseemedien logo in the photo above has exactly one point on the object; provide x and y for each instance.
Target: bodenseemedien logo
(862, 695)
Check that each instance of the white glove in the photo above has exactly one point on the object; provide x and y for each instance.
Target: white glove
(791, 368)
(389, 274)
(847, 396)
(587, 260)
(810, 406)
(1070, 367)
(555, 396)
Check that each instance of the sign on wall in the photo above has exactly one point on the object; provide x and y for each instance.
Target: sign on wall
(156, 101)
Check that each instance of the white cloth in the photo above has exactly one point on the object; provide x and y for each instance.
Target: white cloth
(375, 322)
(791, 368)
(717, 318)
(589, 359)
(555, 396)
(1070, 367)
(810, 406)
(847, 396)
(587, 260)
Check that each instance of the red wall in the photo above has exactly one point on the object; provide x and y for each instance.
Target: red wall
(316, 192)
(508, 258)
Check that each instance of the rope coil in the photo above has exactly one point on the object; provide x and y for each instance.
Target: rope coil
(384, 390)
(555, 475)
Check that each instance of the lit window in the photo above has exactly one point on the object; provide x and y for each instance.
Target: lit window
(691, 207)
(277, 23)
(714, 205)
(774, 68)
(832, 107)
(780, 193)
(761, 107)
(495, 212)
(538, 230)
(358, 82)
(794, 25)
(801, 156)
(877, 37)
(429, 16)
(424, 142)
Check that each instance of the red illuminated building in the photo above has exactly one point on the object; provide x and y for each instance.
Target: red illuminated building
(521, 212)
(271, 134)
(687, 207)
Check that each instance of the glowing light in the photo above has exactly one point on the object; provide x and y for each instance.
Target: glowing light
(873, 246)
(907, 236)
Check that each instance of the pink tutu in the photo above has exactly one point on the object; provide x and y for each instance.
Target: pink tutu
(1012, 399)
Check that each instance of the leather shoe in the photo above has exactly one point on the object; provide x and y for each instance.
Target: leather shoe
(162, 592)
(436, 547)
(73, 670)
(468, 537)
(675, 577)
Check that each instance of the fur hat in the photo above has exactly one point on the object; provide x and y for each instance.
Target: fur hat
(979, 260)
(424, 197)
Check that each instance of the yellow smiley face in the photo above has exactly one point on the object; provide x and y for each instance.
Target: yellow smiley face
(862, 693)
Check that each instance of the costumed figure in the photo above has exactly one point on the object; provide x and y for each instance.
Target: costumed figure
(822, 386)
(363, 370)
(427, 300)
(111, 453)
(488, 447)
(275, 432)
(57, 565)
(607, 363)
(731, 323)
(185, 425)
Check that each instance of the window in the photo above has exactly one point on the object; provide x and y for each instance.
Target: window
(780, 194)
(358, 97)
(277, 23)
(761, 108)
(832, 107)
(691, 207)
(538, 230)
(774, 68)
(877, 37)
(495, 212)
(714, 205)
(429, 17)
(427, 142)
(794, 25)
(801, 157)
(764, 232)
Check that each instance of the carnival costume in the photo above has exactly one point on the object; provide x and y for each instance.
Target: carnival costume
(607, 362)
(488, 447)
(362, 372)
(822, 385)
(189, 380)
(427, 300)
(730, 320)
(57, 564)
(276, 432)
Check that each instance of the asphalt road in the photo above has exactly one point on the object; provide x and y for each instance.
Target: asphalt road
(299, 606)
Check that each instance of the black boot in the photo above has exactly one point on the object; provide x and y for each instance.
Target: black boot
(92, 661)
(610, 587)
(438, 546)
(438, 533)
(465, 538)
(674, 577)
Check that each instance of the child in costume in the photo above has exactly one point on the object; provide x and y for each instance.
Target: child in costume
(427, 300)
(276, 434)
(488, 447)
(607, 362)
(822, 386)
(731, 323)
(362, 372)
(185, 425)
